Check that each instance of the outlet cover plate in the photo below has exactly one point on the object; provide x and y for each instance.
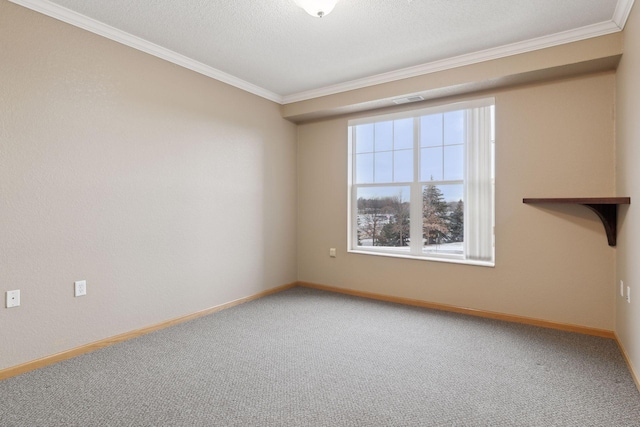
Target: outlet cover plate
(80, 288)
(13, 298)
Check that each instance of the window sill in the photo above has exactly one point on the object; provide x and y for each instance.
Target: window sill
(425, 258)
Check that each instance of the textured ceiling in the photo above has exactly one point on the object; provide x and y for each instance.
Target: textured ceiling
(276, 46)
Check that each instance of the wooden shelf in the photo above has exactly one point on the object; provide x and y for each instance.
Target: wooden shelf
(605, 207)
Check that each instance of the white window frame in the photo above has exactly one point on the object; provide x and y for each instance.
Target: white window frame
(478, 183)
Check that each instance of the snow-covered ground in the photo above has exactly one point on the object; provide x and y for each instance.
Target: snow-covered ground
(444, 248)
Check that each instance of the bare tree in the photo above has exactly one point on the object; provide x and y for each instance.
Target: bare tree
(371, 216)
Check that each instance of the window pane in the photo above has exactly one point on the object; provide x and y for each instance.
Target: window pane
(403, 166)
(383, 216)
(384, 136)
(454, 127)
(431, 164)
(364, 138)
(364, 168)
(443, 219)
(453, 162)
(403, 133)
(383, 167)
(431, 130)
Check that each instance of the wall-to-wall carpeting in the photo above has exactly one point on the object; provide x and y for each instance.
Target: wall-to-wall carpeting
(305, 357)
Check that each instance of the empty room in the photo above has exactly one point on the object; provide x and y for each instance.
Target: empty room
(319, 213)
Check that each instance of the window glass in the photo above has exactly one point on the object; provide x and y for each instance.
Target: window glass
(453, 163)
(431, 130)
(403, 134)
(383, 167)
(383, 136)
(364, 138)
(451, 146)
(364, 168)
(443, 219)
(453, 127)
(383, 217)
(431, 164)
(403, 166)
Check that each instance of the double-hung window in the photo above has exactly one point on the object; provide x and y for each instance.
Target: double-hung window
(421, 183)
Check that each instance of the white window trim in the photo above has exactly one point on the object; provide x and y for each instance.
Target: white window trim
(483, 254)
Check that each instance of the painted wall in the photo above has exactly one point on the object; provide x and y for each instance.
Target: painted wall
(591, 55)
(628, 183)
(167, 191)
(553, 263)
(171, 193)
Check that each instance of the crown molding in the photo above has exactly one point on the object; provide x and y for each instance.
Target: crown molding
(621, 13)
(81, 21)
(617, 23)
(594, 30)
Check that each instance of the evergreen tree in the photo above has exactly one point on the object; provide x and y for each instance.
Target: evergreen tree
(434, 215)
(456, 223)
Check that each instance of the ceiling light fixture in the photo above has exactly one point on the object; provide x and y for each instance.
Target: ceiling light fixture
(317, 8)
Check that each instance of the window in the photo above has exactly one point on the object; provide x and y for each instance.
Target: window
(421, 183)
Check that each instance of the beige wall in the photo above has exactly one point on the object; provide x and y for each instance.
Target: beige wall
(591, 55)
(167, 191)
(552, 262)
(628, 183)
(170, 193)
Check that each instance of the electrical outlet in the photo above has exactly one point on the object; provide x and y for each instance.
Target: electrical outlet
(80, 288)
(332, 252)
(13, 298)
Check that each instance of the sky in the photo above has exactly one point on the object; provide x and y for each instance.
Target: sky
(384, 154)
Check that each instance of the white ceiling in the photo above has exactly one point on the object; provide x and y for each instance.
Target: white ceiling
(276, 50)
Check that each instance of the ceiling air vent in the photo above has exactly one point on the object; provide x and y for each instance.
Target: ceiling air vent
(408, 99)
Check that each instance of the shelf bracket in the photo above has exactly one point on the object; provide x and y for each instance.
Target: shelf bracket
(608, 214)
(605, 207)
